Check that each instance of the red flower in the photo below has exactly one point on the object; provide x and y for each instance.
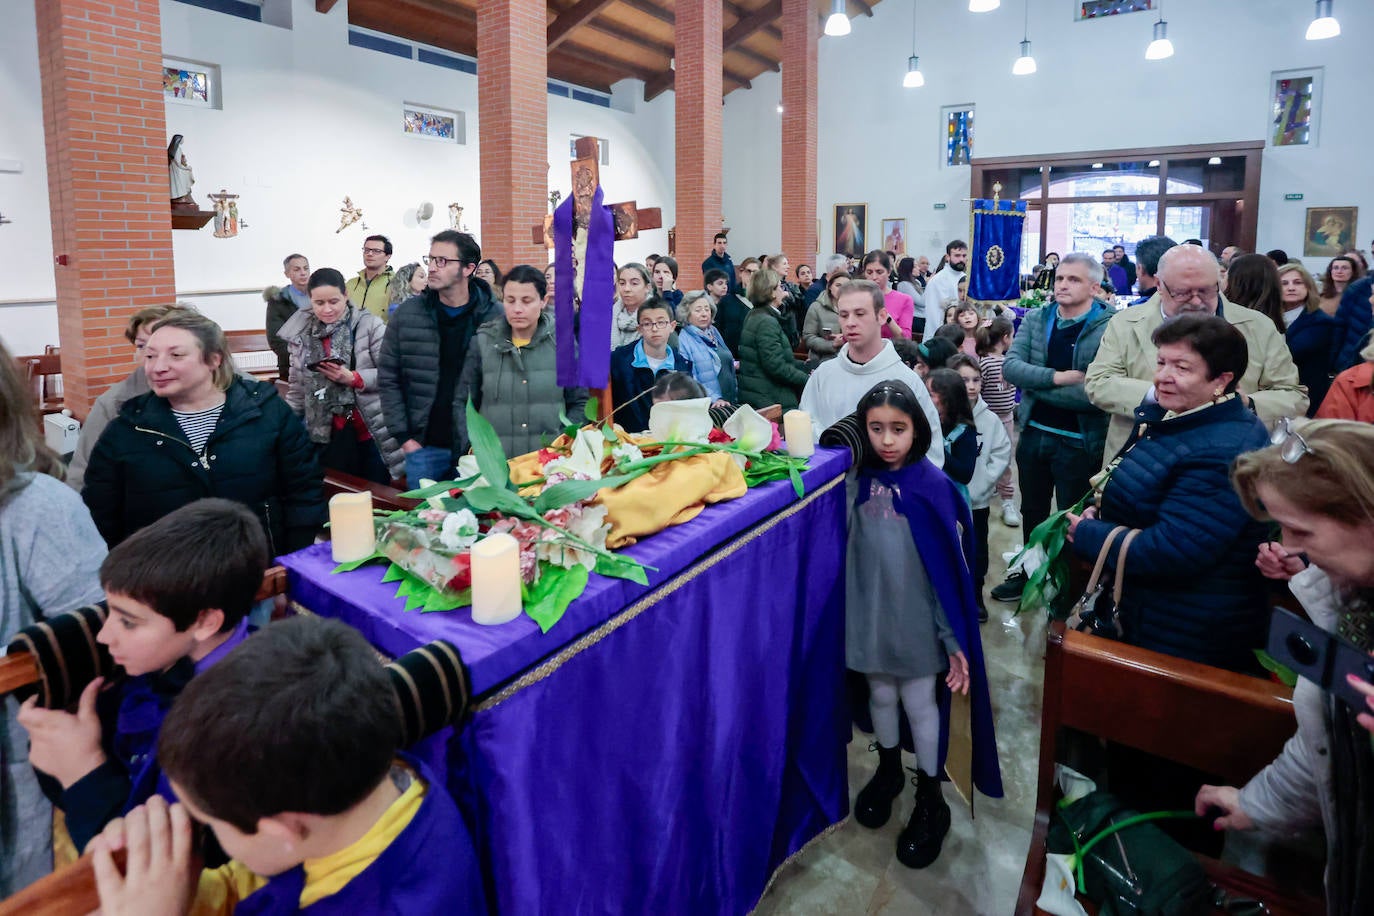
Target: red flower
(455, 492)
(548, 454)
(462, 577)
(718, 435)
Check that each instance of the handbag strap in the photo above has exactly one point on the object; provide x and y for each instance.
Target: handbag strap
(1121, 566)
(1102, 558)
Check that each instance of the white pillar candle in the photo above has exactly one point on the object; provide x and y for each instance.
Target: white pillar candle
(796, 430)
(496, 580)
(352, 533)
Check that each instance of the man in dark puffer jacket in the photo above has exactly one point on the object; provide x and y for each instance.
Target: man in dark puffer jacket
(423, 352)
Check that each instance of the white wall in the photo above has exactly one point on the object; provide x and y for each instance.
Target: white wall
(306, 119)
(882, 144)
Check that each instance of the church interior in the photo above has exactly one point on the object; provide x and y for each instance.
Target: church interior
(678, 737)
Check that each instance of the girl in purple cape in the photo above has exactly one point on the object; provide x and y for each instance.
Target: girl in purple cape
(911, 619)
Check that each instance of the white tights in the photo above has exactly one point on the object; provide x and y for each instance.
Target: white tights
(923, 715)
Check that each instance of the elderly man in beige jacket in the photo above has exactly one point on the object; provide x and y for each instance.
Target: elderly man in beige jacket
(1122, 375)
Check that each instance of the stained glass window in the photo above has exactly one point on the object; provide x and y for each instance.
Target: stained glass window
(958, 135)
(1292, 123)
(186, 85)
(438, 125)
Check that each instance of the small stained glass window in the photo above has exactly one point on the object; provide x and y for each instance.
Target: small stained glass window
(958, 135)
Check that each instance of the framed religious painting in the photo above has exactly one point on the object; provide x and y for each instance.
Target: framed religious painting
(894, 236)
(1330, 231)
(1295, 98)
(429, 123)
(851, 229)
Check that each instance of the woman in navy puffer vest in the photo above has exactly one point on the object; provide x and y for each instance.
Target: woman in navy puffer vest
(1191, 588)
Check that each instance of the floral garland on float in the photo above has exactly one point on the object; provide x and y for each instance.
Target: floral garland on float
(571, 504)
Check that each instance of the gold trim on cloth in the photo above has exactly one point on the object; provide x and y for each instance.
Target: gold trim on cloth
(1019, 214)
(806, 847)
(539, 673)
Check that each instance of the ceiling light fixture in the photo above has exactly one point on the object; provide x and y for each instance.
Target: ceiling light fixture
(1215, 160)
(1324, 25)
(1025, 64)
(983, 6)
(1161, 47)
(837, 25)
(1153, 164)
(914, 79)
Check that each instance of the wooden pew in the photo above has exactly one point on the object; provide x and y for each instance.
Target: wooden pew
(1213, 720)
(262, 364)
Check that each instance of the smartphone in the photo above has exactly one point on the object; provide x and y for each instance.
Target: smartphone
(331, 360)
(1323, 658)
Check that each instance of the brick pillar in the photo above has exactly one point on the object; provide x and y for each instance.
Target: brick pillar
(699, 32)
(512, 106)
(106, 138)
(800, 72)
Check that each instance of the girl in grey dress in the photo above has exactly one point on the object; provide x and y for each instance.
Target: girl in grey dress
(896, 632)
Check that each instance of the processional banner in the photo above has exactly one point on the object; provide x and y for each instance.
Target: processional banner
(995, 261)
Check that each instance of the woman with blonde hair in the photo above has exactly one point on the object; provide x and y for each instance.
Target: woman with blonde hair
(50, 556)
(1311, 334)
(203, 431)
(1317, 483)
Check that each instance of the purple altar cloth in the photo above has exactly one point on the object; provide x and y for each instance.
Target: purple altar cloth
(661, 749)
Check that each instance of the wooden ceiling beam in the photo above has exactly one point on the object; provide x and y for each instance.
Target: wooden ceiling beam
(740, 13)
(752, 23)
(577, 15)
(324, 6)
(763, 60)
(864, 7)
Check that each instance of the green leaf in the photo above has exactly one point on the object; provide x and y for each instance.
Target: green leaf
(556, 589)
(490, 499)
(354, 564)
(486, 445)
(571, 491)
(440, 488)
(1285, 674)
(592, 410)
(394, 573)
(797, 484)
(608, 431)
(621, 568)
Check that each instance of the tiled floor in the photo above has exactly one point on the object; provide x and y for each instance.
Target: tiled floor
(855, 870)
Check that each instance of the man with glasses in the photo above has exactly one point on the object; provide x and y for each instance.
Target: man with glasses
(636, 366)
(423, 353)
(368, 289)
(1121, 375)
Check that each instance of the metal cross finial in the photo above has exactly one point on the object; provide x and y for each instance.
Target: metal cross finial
(996, 193)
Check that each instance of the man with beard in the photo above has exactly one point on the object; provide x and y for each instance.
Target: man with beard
(943, 288)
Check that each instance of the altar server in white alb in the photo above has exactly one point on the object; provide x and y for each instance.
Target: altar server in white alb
(865, 360)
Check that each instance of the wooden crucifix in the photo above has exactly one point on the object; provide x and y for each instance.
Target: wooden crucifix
(586, 176)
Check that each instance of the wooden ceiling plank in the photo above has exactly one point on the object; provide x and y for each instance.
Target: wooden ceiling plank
(863, 7)
(578, 14)
(761, 60)
(752, 23)
(324, 6)
(634, 38)
(741, 12)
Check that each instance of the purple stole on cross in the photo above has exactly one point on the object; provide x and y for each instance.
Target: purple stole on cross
(584, 337)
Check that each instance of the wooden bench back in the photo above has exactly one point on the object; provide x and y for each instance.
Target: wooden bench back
(246, 341)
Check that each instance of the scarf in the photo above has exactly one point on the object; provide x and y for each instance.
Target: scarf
(325, 400)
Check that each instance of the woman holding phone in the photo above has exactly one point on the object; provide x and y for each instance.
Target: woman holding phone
(1317, 484)
(334, 349)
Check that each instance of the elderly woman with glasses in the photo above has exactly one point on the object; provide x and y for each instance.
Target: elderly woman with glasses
(1191, 587)
(1317, 484)
(1120, 376)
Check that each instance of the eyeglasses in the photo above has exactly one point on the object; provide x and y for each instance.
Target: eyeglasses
(655, 325)
(374, 251)
(1206, 294)
(437, 262)
(1292, 446)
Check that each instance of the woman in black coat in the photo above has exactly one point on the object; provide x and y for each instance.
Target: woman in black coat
(203, 431)
(1191, 588)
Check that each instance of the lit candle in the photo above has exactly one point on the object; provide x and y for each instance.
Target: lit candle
(496, 580)
(796, 430)
(352, 534)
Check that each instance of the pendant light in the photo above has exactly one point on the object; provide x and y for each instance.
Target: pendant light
(1324, 25)
(1161, 47)
(1025, 64)
(983, 6)
(914, 79)
(838, 23)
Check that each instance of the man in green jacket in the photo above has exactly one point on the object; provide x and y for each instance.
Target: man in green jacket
(368, 289)
(1122, 374)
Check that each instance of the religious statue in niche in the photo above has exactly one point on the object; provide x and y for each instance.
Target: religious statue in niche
(179, 174)
(348, 215)
(226, 214)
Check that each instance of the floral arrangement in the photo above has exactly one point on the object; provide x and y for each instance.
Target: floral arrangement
(1033, 298)
(555, 518)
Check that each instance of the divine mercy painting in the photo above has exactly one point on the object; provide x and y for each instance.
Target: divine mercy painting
(851, 229)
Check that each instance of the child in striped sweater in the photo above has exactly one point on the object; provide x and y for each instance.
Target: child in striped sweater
(992, 344)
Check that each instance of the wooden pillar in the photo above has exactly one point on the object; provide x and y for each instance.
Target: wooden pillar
(513, 121)
(106, 138)
(800, 72)
(700, 129)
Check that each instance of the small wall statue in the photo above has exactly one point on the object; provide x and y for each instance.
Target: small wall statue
(348, 215)
(226, 214)
(179, 174)
(455, 216)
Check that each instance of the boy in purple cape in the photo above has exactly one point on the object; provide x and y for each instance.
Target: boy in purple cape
(911, 614)
(287, 750)
(179, 592)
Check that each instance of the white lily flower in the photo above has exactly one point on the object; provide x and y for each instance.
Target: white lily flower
(749, 430)
(585, 461)
(681, 421)
(467, 467)
(626, 453)
(459, 530)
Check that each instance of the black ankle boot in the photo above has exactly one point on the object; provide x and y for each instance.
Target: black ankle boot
(919, 844)
(874, 805)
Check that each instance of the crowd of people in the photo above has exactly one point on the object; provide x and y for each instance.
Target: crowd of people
(1182, 417)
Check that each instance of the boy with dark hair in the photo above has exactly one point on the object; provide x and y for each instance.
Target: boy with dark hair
(636, 366)
(287, 750)
(179, 592)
